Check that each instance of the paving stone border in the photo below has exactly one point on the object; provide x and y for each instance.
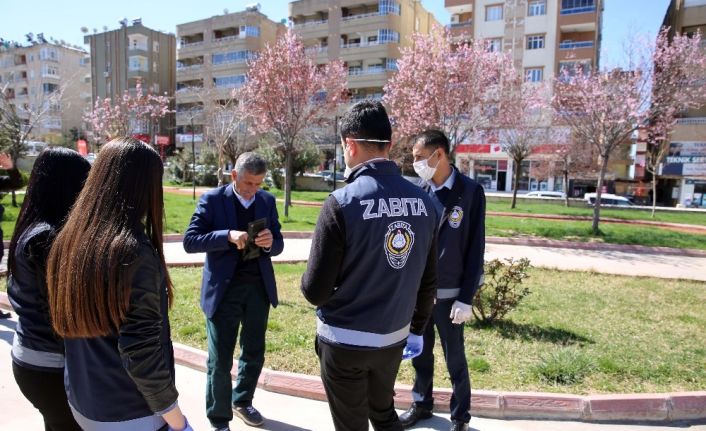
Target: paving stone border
(639, 408)
(533, 242)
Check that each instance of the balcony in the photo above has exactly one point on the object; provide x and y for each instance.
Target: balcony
(315, 50)
(576, 45)
(225, 39)
(189, 68)
(577, 10)
(692, 121)
(368, 71)
(310, 23)
(464, 24)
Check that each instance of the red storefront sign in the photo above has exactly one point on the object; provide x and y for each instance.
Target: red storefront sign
(162, 140)
(142, 137)
(82, 147)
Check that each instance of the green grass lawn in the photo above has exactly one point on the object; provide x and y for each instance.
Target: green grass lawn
(580, 209)
(581, 231)
(301, 195)
(10, 215)
(597, 333)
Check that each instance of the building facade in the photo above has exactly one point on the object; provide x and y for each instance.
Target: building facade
(683, 177)
(212, 60)
(365, 34)
(545, 38)
(33, 76)
(120, 58)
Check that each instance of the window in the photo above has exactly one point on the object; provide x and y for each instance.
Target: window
(229, 81)
(494, 45)
(387, 7)
(388, 36)
(391, 64)
(155, 46)
(534, 74)
(232, 57)
(49, 88)
(537, 7)
(48, 54)
(494, 12)
(49, 70)
(250, 31)
(138, 63)
(577, 6)
(535, 41)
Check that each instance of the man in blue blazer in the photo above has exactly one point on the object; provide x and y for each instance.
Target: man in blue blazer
(236, 291)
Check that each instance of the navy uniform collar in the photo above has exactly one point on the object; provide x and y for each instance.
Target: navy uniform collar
(373, 167)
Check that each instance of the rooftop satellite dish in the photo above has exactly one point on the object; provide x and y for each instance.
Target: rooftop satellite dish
(105, 28)
(225, 11)
(30, 37)
(84, 29)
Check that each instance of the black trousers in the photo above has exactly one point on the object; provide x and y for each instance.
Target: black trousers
(360, 385)
(45, 390)
(452, 343)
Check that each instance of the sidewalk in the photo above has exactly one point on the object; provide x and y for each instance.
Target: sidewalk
(604, 261)
(282, 412)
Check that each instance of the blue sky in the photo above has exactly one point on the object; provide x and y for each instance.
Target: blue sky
(64, 19)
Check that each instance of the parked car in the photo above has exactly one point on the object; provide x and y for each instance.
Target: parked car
(546, 194)
(607, 199)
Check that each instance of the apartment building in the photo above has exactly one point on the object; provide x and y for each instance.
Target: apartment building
(121, 57)
(544, 37)
(33, 72)
(212, 60)
(683, 178)
(365, 34)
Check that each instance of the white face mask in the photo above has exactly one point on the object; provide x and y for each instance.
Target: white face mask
(423, 169)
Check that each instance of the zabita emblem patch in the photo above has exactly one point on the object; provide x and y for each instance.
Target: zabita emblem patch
(455, 217)
(399, 240)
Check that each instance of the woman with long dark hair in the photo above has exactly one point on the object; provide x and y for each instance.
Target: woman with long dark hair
(109, 295)
(37, 352)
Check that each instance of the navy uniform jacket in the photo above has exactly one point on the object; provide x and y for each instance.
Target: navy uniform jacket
(372, 267)
(126, 380)
(461, 245)
(208, 232)
(35, 345)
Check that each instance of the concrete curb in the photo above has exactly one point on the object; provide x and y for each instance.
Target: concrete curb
(637, 408)
(533, 242)
(667, 407)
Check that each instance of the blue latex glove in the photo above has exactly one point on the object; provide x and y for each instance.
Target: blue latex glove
(415, 344)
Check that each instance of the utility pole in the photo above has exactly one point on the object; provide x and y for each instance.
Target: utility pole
(335, 144)
(193, 160)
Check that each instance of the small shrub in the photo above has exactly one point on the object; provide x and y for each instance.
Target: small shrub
(502, 290)
(563, 367)
(479, 365)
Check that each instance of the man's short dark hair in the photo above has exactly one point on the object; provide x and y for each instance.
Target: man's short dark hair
(432, 139)
(367, 120)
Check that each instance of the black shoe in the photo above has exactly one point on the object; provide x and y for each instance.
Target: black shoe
(458, 426)
(414, 414)
(225, 428)
(249, 415)
(5, 315)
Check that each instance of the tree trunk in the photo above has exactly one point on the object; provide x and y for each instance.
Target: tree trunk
(597, 206)
(220, 166)
(515, 182)
(566, 188)
(288, 178)
(14, 199)
(654, 193)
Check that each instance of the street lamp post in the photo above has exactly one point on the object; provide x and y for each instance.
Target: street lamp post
(193, 160)
(335, 144)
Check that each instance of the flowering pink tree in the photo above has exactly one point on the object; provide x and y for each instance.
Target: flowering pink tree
(678, 83)
(567, 158)
(443, 86)
(111, 118)
(287, 93)
(522, 109)
(605, 108)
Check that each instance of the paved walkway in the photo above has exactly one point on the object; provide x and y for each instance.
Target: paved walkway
(282, 412)
(604, 261)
